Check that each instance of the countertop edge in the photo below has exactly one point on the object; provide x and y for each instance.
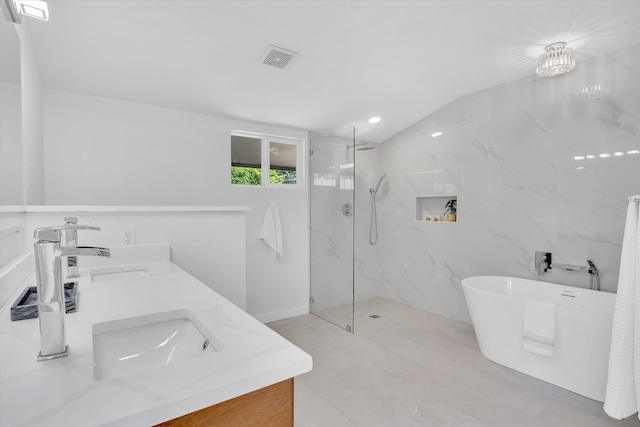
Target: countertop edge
(69, 208)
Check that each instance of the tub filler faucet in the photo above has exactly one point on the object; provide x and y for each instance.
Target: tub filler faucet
(49, 257)
(594, 283)
(543, 262)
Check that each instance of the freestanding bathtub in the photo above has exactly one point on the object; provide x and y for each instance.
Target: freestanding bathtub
(583, 321)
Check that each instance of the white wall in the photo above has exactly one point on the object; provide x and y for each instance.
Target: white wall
(11, 148)
(10, 145)
(130, 154)
(508, 153)
(32, 122)
(276, 289)
(208, 245)
(12, 244)
(106, 152)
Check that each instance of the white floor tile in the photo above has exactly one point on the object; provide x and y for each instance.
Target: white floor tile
(411, 368)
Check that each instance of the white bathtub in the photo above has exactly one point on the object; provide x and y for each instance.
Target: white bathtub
(582, 335)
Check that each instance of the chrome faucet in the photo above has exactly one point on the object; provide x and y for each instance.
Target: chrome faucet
(542, 265)
(543, 262)
(70, 240)
(49, 258)
(594, 283)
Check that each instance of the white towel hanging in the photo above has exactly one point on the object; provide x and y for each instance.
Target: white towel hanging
(271, 232)
(623, 383)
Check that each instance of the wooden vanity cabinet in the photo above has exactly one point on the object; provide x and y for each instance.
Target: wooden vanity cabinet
(271, 406)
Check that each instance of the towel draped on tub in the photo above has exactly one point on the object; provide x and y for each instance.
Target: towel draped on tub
(539, 327)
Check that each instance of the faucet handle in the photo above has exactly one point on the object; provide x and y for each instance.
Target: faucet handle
(83, 227)
(54, 234)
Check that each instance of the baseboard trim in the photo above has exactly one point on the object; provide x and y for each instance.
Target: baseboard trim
(283, 314)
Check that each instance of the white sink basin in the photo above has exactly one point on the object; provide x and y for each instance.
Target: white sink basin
(126, 346)
(118, 274)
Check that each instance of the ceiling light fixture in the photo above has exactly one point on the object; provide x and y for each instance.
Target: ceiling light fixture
(590, 156)
(605, 155)
(578, 158)
(633, 152)
(373, 120)
(618, 153)
(34, 8)
(436, 134)
(556, 59)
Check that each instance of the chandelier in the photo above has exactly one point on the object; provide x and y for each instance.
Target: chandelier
(556, 59)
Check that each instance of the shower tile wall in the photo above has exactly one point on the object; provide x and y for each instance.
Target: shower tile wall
(508, 153)
(368, 261)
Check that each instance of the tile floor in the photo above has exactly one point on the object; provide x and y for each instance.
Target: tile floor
(414, 368)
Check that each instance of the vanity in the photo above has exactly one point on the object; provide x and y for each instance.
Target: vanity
(149, 345)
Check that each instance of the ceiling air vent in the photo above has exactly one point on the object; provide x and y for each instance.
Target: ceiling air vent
(277, 56)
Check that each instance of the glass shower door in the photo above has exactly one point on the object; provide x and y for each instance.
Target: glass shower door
(332, 179)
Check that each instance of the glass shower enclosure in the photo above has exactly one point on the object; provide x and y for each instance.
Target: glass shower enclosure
(332, 207)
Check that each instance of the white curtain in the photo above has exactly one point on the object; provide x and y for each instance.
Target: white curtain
(623, 382)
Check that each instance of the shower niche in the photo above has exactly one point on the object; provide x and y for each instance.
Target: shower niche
(432, 208)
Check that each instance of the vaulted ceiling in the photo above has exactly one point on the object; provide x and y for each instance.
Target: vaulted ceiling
(399, 60)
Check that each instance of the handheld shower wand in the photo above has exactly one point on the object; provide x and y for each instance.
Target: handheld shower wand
(371, 190)
(373, 225)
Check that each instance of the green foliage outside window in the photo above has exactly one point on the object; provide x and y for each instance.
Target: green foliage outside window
(282, 177)
(253, 176)
(246, 176)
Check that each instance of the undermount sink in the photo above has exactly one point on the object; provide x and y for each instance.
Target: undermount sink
(118, 274)
(127, 346)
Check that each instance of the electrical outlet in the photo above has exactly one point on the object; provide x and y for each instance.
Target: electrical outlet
(127, 236)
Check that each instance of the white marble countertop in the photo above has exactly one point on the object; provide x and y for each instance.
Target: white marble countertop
(63, 392)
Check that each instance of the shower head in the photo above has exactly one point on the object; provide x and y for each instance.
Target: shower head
(362, 146)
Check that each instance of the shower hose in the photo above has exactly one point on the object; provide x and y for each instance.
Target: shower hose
(373, 225)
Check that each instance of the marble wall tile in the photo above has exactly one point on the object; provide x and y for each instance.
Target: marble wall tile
(369, 170)
(508, 153)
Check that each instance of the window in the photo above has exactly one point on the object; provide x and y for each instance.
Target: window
(246, 160)
(264, 160)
